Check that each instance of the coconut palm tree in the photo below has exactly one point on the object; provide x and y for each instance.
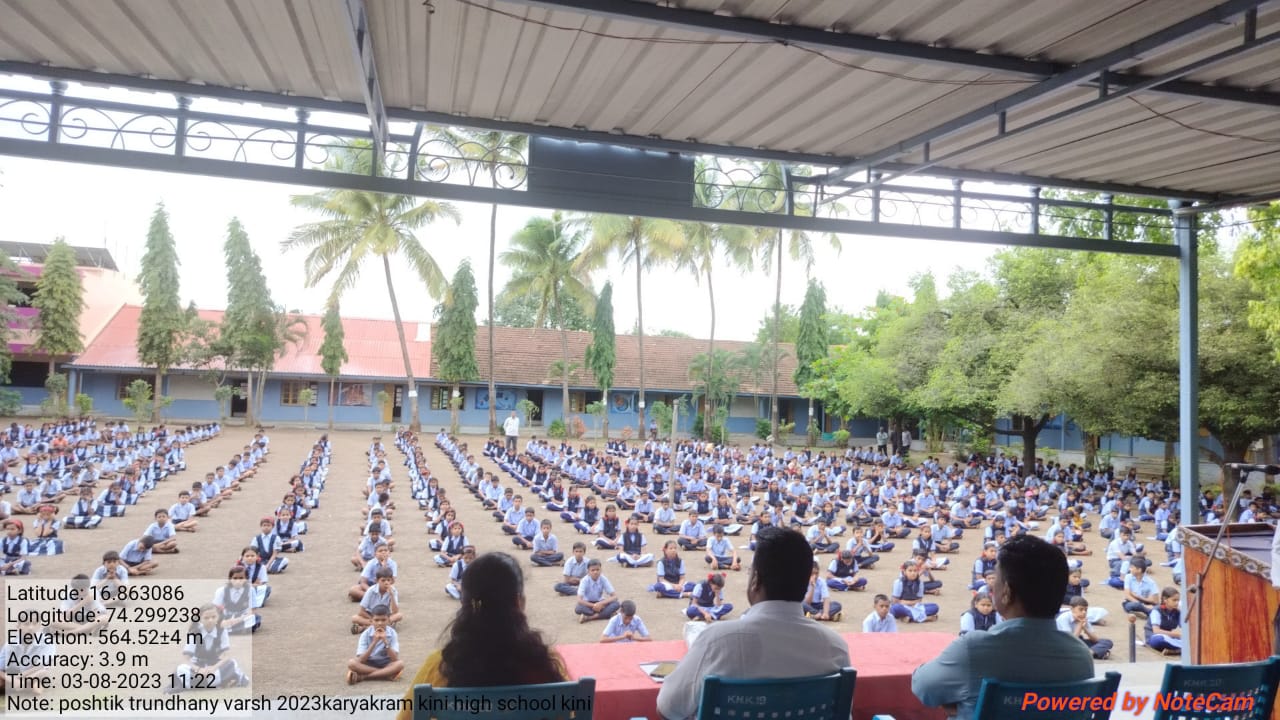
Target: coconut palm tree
(645, 243)
(546, 263)
(359, 225)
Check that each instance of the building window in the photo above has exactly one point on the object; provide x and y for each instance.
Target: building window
(355, 394)
(577, 402)
(439, 397)
(291, 392)
(123, 382)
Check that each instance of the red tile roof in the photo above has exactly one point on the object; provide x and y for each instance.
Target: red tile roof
(524, 357)
(372, 346)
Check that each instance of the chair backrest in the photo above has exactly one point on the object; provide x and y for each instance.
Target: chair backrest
(1083, 700)
(551, 701)
(1241, 691)
(822, 697)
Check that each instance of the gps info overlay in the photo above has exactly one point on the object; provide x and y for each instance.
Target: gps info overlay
(127, 648)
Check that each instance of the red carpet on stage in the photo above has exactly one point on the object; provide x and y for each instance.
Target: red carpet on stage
(884, 663)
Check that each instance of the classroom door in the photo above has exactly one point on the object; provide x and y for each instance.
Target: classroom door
(388, 407)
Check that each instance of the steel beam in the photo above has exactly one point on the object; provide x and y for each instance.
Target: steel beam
(1184, 233)
(357, 16)
(595, 203)
(1083, 72)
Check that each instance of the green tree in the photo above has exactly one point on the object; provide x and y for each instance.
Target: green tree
(546, 263)
(248, 332)
(10, 296)
(333, 350)
(1258, 261)
(718, 378)
(360, 225)
(521, 311)
(455, 342)
(601, 354)
(643, 243)
(59, 297)
(811, 344)
(162, 323)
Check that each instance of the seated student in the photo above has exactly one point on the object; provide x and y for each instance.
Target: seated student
(908, 596)
(451, 550)
(1163, 629)
(626, 626)
(267, 543)
(1141, 594)
(588, 517)
(877, 537)
(288, 531)
(985, 563)
(644, 510)
(199, 497)
(163, 532)
(880, 620)
(575, 568)
(926, 566)
(981, 615)
(25, 663)
(546, 549)
(377, 651)
(82, 603)
(513, 515)
(84, 513)
(109, 577)
(453, 588)
(382, 594)
(1120, 548)
(693, 534)
(842, 573)
(926, 540)
(207, 645)
(183, 513)
(525, 530)
(256, 573)
(235, 601)
(631, 551)
(857, 544)
(608, 529)
(28, 499)
(817, 599)
(721, 555)
(136, 556)
(376, 518)
(367, 547)
(1075, 622)
(671, 583)
(45, 528)
(664, 521)
(706, 600)
(597, 599)
(369, 575)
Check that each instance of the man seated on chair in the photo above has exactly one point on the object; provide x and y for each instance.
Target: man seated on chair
(1030, 579)
(772, 640)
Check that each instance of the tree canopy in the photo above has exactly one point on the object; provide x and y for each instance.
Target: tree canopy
(59, 297)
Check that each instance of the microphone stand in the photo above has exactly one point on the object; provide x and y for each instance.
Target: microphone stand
(1195, 591)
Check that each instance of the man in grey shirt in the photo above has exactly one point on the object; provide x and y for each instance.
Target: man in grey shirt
(1031, 578)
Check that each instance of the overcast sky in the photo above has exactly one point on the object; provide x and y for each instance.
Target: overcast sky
(111, 208)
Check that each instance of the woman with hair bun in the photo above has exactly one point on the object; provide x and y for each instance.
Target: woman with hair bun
(489, 642)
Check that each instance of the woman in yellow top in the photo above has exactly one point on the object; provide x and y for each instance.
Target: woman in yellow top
(489, 641)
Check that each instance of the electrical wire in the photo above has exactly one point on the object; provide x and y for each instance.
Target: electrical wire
(744, 43)
(1187, 126)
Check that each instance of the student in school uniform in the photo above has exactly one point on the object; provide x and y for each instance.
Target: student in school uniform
(109, 577)
(453, 588)
(880, 620)
(664, 520)
(631, 546)
(1141, 594)
(721, 554)
(525, 530)
(546, 548)
(1163, 630)
(981, 615)
(381, 594)
(1075, 622)
(626, 626)
(693, 533)
(367, 547)
(163, 532)
(842, 573)
(45, 526)
(84, 513)
(377, 651)
(608, 529)
(14, 548)
(908, 596)
(817, 598)
(288, 530)
(671, 573)
(136, 556)
(267, 543)
(575, 568)
(369, 575)
(183, 513)
(451, 550)
(706, 600)
(597, 599)
(235, 600)
(256, 573)
(207, 646)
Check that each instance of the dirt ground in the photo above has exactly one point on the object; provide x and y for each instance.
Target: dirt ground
(305, 639)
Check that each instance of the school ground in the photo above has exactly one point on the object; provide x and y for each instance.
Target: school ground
(305, 639)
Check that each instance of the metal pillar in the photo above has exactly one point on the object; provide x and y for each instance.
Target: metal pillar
(1184, 232)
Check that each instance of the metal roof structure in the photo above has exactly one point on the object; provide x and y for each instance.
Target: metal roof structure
(857, 85)
(36, 252)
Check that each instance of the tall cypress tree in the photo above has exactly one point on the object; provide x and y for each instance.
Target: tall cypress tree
(811, 343)
(60, 299)
(333, 351)
(601, 353)
(162, 322)
(249, 325)
(455, 340)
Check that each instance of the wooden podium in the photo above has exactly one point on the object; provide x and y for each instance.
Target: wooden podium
(1231, 621)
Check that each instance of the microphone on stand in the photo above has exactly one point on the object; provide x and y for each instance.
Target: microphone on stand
(1196, 590)
(1247, 468)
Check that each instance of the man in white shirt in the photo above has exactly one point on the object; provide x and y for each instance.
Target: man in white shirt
(772, 640)
(511, 429)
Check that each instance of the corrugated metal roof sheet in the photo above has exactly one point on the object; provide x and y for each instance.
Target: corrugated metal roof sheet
(372, 345)
(512, 61)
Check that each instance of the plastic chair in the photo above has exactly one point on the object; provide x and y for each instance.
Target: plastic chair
(1242, 691)
(1004, 701)
(822, 697)
(551, 701)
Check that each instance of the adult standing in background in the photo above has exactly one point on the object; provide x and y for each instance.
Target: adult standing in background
(772, 640)
(511, 428)
(882, 441)
(906, 441)
(1030, 580)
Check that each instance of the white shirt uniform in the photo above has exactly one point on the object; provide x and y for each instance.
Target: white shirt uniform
(772, 640)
